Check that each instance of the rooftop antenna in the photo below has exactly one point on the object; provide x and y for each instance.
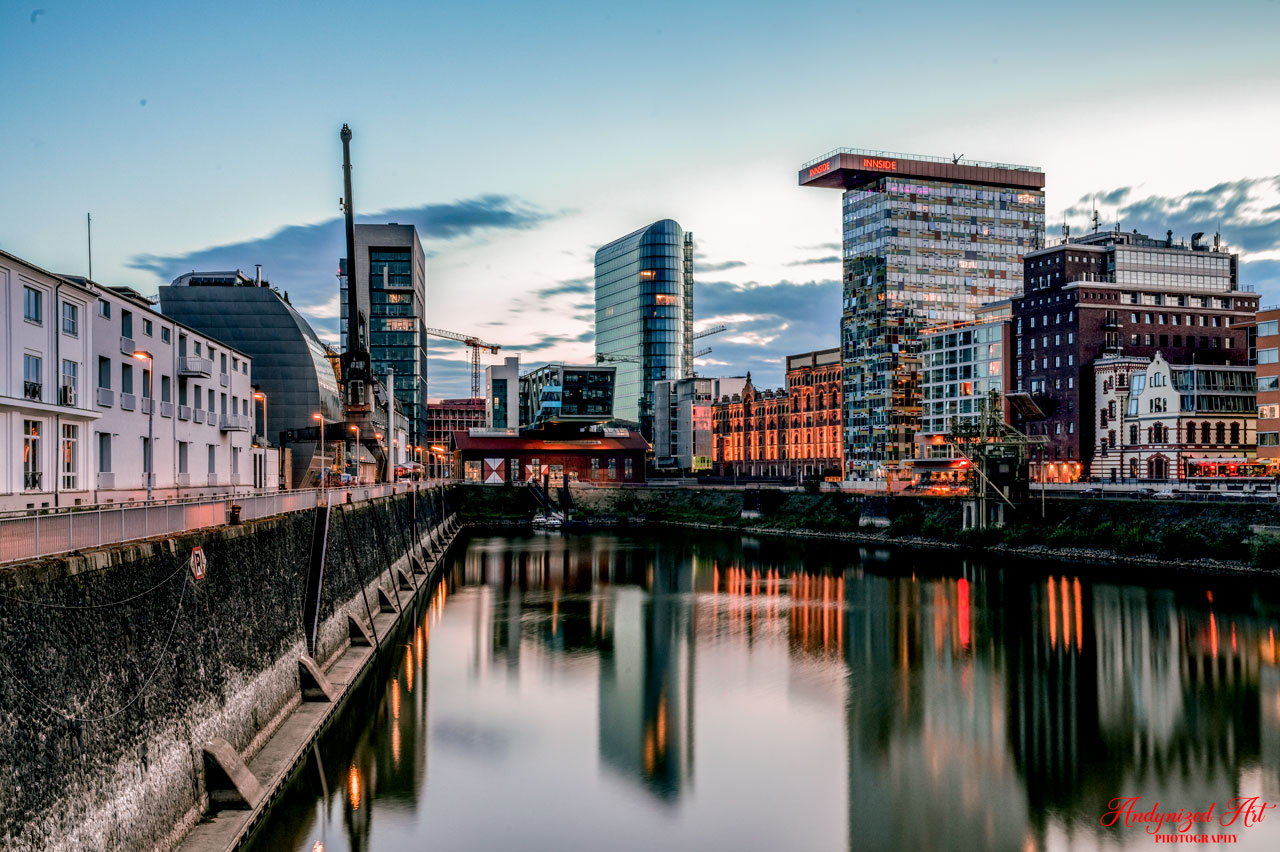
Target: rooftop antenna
(1095, 216)
(88, 225)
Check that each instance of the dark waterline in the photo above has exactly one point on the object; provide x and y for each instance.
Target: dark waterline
(704, 691)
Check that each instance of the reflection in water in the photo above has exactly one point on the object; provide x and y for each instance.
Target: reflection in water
(868, 700)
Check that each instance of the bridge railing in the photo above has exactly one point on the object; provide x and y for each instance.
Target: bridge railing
(37, 535)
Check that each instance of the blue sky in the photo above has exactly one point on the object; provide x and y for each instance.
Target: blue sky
(519, 137)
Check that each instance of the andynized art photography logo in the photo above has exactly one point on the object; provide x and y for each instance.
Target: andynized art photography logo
(1183, 825)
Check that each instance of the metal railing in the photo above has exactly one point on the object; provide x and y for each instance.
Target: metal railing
(37, 535)
(863, 152)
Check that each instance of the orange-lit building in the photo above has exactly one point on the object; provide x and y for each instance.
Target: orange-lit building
(815, 445)
(750, 433)
(1267, 358)
(794, 433)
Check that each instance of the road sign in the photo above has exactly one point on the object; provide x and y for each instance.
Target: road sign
(198, 563)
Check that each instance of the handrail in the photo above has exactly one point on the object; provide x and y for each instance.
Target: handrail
(864, 152)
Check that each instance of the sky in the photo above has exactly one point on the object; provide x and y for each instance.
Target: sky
(519, 137)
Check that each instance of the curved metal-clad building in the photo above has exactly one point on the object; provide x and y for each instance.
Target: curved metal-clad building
(644, 314)
(289, 362)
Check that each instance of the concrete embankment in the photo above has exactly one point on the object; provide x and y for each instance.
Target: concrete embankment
(129, 689)
(1236, 535)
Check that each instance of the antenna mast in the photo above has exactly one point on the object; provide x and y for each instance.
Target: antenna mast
(88, 225)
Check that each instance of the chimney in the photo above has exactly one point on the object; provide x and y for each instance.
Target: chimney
(257, 275)
(1168, 238)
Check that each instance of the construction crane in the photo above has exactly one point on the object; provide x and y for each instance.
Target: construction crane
(615, 358)
(477, 346)
(702, 352)
(715, 329)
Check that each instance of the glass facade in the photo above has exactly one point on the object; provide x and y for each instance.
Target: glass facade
(644, 314)
(917, 253)
(393, 266)
(960, 367)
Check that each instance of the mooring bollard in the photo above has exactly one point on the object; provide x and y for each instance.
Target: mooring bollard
(234, 520)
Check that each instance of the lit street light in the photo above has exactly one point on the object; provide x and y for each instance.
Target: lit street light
(143, 355)
(323, 471)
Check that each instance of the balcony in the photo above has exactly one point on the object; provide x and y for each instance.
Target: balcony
(33, 390)
(146, 405)
(184, 412)
(183, 480)
(128, 401)
(233, 423)
(195, 367)
(106, 480)
(225, 379)
(106, 397)
(166, 409)
(127, 347)
(198, 415)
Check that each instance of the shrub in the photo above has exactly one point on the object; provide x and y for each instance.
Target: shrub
(1266, 551)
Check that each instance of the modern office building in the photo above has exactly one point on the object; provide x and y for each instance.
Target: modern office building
(1111, 293)
(1267, 359)
(644, 314)
(815, 439)
(444, 418)
(291, 367)
(961, 365)
(682, 435)
(1167, 422)
(925, 240)
(502, 394)
(558, 395)
(392, 299)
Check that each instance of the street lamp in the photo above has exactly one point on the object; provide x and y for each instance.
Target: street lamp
(323, 478)
(143, 355)
(356, 455)
(262, 397)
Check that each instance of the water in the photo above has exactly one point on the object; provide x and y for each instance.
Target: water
(708, 691)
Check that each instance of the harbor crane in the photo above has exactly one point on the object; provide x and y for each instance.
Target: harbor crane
(477, 346)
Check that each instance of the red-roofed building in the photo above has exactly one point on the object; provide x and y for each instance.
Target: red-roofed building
(494, 458)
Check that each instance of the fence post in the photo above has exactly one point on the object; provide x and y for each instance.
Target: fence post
(37, 553)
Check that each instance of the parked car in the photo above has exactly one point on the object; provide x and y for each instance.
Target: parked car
(1167, 494)
(1144, 493)
(1091, 492)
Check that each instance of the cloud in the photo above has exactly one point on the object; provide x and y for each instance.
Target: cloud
(717, 267)
(821, 247)
(304, 258)
(814, 261)
(574, 286)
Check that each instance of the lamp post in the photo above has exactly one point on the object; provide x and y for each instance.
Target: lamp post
(143, 355)
(324, 479)
(356, 455)
(262, 397)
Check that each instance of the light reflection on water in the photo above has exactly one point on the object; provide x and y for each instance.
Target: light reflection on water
(708, 691)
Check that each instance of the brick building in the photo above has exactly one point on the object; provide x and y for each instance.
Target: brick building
(749, 431)
(1267, 344)
(814, 441)
(444, 418)
(794, 433)
(1114, 293)
(605, 456)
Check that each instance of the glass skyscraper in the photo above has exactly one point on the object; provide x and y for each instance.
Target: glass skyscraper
(644, 315)
(926, 240)
(391, 265)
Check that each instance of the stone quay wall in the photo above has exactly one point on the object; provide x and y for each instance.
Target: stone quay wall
(117, 665)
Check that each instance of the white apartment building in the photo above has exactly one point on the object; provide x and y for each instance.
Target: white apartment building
(82, 418)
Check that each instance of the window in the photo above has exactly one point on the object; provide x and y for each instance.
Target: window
(164, 334)
(32, 305)
(1268, 356)
(31, 467)
(166, 389)
(71, 379)
(1133, 433)
(70, 319)
(213, 459)
(146, 327)
(104, 452)
(70, 444)
(146, 455)
(126, 378)
(613, 468)
(182, 456)
(1235, 433)
(1270, 328)
(32, 384)
(210, 405)
(235, 459)
(104, 308)
(1269, 439)
(1220, 432)
(126, 324)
